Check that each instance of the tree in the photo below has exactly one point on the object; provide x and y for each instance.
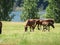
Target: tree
(40, 2)
(19, 3)
(53, 10)
(44, 3)
(30, 10)
(6, 6)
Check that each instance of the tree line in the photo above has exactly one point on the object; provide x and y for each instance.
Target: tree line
(6, 6)
(30, 9)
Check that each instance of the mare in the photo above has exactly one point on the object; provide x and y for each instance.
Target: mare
(31, 23)
(47, 23)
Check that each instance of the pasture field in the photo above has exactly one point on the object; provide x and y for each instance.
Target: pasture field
(13, 34)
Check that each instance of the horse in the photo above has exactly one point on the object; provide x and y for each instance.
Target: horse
(31, 23)
(0, 27)
(47, 23)
(50, 21)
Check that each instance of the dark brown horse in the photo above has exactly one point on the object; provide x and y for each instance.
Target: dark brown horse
(47, 23)
(0, 27)
(31, 23)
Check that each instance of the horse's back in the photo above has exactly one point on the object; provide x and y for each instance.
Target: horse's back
(30, 22)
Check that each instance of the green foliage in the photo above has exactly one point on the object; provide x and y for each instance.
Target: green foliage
(50, 12)
(30, 10)
(53, 10)
(6, 7)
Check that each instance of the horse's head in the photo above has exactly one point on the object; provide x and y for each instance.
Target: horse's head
(52, 25)
(25, 28)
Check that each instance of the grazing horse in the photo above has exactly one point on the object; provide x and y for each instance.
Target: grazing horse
(0, 27)
(31, 23)
(50, 21)
(47, 23)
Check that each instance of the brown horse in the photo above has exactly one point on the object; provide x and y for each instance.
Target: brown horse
(0, 27)
(31, 23)
(47, 23)
(50, 21)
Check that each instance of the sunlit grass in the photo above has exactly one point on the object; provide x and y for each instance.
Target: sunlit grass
(13, 34)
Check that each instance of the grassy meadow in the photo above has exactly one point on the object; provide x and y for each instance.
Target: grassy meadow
(13, 34)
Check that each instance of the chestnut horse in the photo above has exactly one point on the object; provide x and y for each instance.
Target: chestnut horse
(0, 27)
(31, 23)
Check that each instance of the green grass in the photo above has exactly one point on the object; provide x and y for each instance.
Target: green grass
(13, 34)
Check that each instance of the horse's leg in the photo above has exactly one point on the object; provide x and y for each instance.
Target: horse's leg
(38, 27)
(44, 28)
(33, 28)
(30, 28)
(49, 28)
